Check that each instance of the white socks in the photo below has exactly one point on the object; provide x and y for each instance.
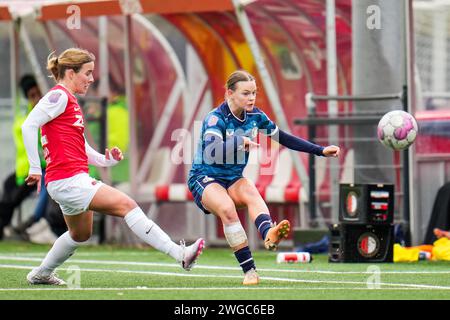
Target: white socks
(138, 222)
(151, 233)
(62, 249)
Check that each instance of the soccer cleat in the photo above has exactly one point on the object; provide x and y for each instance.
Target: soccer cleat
(35, 278)
(439, 233)
(250, 278)
(275, 234)
(191, 253)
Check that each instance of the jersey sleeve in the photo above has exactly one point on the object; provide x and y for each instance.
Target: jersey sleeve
(97, 159)
(53, 103)
(213, 125)
(35, 119)
(267, 126)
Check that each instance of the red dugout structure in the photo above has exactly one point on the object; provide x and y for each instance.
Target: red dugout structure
(166, 91)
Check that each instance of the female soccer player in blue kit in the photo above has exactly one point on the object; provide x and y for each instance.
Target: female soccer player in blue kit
(216, 180)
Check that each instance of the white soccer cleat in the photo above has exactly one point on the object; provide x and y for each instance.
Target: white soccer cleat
(35, 278)
(191, 253)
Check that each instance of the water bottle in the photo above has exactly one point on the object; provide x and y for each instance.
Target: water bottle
(294, 257)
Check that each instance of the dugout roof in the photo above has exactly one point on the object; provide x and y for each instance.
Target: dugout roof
(290, 33)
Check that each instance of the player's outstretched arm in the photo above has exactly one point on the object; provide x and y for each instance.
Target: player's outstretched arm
(299, 144)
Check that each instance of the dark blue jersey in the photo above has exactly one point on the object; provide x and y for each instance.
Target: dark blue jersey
(222, 125)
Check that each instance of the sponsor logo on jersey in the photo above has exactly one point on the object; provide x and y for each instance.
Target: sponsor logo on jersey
(254, 132)
(79, 122)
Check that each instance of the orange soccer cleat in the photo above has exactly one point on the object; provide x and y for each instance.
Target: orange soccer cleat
(275, 234)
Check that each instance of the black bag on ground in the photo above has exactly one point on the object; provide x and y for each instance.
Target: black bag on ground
(440, 216)
(55, 218)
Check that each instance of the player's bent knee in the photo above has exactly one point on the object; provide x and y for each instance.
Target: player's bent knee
(227, 213)
(246, 195)
(127, 204)
(81, 236)
(235, 235)
(225, 208)
(249, 194)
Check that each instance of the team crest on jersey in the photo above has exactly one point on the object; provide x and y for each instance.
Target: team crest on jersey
(254, 132)
(212, 120)
(54, 97)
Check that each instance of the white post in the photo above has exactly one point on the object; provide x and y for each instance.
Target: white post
(439, 52)
(13, 53)
(32, 58)
(131, 104)
(416, 234)
(332, 90)
(103, 88)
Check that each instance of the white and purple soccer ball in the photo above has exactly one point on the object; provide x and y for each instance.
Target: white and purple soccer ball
(397, 130)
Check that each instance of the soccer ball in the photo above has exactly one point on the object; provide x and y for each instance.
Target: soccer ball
(397, 130)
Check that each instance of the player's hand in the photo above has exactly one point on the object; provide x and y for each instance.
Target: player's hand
(115, 153)
(331, 151)
(33, 179)
(248, 143)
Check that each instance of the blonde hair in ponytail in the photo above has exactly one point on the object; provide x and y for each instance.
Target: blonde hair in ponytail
(72, 58)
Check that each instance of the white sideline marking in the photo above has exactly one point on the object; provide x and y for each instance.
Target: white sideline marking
(421, 286)
(196, 288)
(86, 254)
(172, 265)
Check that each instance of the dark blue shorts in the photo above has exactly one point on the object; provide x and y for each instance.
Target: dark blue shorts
(198, 183)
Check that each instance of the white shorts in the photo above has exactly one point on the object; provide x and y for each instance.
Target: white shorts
(74, 194)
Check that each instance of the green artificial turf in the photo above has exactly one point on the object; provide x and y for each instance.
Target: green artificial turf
(115, 273)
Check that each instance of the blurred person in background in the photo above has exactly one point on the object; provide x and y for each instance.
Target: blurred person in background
(439, 233)
(117, 133)
(15, 190)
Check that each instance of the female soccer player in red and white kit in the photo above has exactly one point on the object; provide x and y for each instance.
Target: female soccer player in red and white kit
(68, 154)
